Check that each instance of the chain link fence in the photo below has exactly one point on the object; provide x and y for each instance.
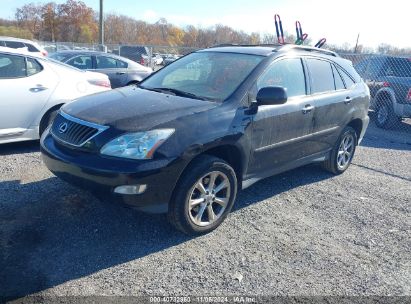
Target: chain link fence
(389, 80)
(388, 76)
(152, 56)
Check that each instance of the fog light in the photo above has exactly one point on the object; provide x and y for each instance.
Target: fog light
(130, 189)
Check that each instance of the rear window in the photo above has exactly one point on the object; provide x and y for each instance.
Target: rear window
(322, 79)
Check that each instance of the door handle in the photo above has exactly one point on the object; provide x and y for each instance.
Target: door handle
(120, 73)
(347, 100)
(307, 109)
(38, 88)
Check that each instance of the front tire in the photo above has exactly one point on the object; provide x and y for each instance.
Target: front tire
(204, 196)
(342, 153)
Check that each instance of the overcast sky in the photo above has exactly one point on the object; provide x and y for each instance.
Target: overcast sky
(338, 21)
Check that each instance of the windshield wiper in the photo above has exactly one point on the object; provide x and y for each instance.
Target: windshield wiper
(176, 92)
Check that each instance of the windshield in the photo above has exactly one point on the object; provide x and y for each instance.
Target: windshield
(206, 75)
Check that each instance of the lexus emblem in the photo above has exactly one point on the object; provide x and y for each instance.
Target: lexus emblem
(63, 127)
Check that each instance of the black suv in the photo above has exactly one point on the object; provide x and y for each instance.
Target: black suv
(193, 134)
(389, 80)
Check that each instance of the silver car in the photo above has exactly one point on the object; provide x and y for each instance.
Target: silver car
(120, 70)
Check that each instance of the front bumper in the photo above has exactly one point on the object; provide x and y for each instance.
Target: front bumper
(101, 175)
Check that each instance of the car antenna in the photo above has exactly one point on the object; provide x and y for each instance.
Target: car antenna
(300, 36)
(320, 43)
(279, 29)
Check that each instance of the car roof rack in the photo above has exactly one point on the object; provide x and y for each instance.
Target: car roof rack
(276, 45)
(283, 47)
(308, 49)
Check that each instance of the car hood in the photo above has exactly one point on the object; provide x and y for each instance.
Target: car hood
(133, 109)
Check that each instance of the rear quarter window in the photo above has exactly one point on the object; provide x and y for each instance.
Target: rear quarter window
(32, 48)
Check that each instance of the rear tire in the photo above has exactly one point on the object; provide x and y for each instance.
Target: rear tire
(342, 153)
(385, 116)
(203, 196)
(46, 121)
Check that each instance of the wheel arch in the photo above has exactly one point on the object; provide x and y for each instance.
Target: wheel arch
(47, 113)
(357, 125)
(383, 95)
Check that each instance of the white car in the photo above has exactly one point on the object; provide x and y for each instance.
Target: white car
(17, 43)
(157, 59)
(33, 88)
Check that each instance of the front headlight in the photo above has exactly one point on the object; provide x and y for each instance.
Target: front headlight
(140, 145)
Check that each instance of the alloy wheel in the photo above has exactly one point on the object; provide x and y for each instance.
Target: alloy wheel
(345, 151)
(209, 198)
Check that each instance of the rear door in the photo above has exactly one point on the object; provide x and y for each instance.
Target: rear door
(280, 132)
(116, 70)
(333, 99)
(25, 87)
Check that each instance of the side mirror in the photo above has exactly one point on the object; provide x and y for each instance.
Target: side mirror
(271, 96)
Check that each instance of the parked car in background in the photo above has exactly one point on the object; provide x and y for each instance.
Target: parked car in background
(216, 121)
(17, 43)
(170, 58)
(120, 70)
(135, 53)
(33, 88)
(389, 80)
(157, 59)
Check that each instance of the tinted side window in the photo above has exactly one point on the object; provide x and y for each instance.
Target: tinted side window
(31, 48)
(33, 67)
(347, 79)
(287, 73)
(15, 44)
(339, 84)
(322, 79)
(12, 66)
(104, 62)
(81, 62)
(121, 64)
(2, 43)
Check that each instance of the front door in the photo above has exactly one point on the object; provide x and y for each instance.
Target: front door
(25, 88)
(280, 132)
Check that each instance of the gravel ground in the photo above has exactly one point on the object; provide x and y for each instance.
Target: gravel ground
(304, 232)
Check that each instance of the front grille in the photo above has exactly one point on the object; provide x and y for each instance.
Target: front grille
(73, 131)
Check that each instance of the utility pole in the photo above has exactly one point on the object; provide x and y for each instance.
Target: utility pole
(356, 44)
(101, 25)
